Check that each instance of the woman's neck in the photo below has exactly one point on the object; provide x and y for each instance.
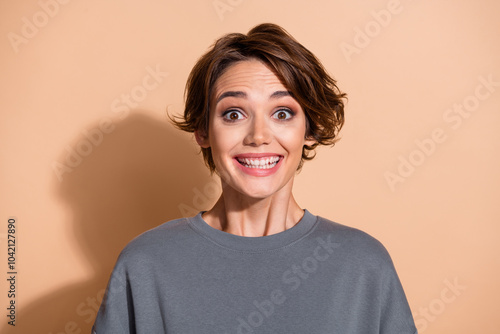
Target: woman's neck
(250, 217)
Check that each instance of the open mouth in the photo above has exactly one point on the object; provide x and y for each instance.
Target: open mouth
(260, 163)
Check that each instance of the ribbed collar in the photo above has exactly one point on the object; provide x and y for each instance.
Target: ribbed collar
(254, 244)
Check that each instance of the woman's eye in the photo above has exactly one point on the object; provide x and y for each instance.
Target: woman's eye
(232, 115)
(283, 114)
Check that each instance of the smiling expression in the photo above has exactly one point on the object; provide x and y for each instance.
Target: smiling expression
(256, 130)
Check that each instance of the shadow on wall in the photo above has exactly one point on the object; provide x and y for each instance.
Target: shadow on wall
(134, 180)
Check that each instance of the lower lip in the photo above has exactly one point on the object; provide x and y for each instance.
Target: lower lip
(258, 171)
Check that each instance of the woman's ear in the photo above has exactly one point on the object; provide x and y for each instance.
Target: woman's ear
(310, 141)
(201, 139)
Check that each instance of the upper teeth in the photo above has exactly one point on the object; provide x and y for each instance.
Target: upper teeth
(259, 162)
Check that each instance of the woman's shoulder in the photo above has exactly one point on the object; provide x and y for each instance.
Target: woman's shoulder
(163, 238)
(352, 242)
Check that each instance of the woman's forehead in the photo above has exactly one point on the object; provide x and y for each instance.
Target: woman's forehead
(247, 75)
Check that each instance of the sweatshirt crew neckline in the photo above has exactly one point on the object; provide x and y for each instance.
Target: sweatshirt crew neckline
(254, 244)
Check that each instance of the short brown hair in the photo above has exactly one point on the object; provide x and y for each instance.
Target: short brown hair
(296, 67)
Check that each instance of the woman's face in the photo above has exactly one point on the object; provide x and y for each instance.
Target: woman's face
(256, 131)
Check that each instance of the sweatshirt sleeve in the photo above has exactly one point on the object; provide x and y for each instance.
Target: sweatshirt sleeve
(395, 317)
(116, 314)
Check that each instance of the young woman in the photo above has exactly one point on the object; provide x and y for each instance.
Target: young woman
(256, 262)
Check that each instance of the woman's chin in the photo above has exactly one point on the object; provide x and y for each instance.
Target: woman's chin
(257, 190)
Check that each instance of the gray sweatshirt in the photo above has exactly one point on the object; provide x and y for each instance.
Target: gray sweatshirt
(317, 277)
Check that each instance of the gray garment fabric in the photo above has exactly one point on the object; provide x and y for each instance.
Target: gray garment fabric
(317, 277)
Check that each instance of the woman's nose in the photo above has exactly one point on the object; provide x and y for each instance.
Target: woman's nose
(259, 132)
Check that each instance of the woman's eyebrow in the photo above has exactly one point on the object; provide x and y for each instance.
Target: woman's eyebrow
(280, 93)
(232, 94)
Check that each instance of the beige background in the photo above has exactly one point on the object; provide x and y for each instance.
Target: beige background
(405, 64)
